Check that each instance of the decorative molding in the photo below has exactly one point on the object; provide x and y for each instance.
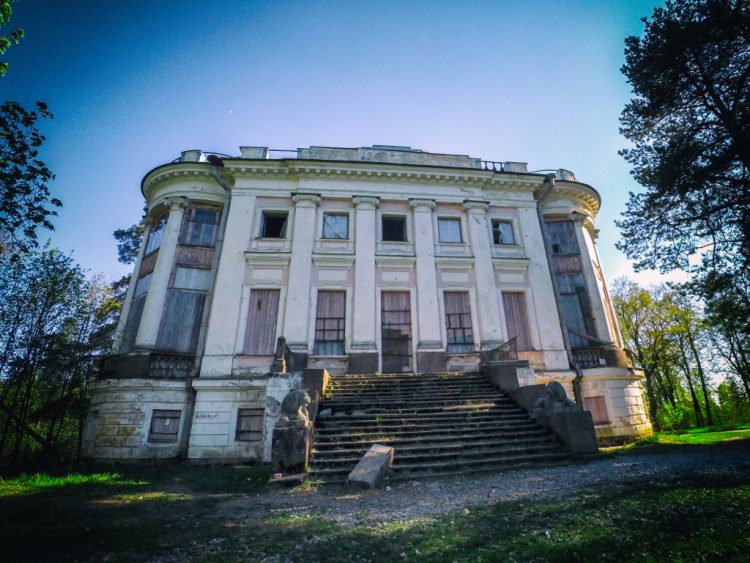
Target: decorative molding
(395, 261)
(366, 202)
(454, 263)
(333, 261)
(422, 204)
(176, 203)
(510, 264)
(476, 206)
(306, 200)
(267, 258)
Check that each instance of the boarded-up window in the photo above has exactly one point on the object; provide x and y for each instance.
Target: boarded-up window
(155, 234)
(514, 305)
(201, 227)
(458, 322)
(502, 232)
(449, 230)
(249, 425)
(395, 331)
(335, 225)
(132, 324)
(181, 321)
(597, 406)
(260, 335)
(330, 319)
(164, 426)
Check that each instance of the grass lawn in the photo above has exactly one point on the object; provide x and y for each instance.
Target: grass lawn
(185, 513)
(702, 436)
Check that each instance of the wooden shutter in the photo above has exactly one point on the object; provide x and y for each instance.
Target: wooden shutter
(597, 406)
(260, 336)
(514, 305)
(249, 425)
(132, 324)
(181, 321)
(164, 426)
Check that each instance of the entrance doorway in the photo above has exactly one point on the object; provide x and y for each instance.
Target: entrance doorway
(395, 331)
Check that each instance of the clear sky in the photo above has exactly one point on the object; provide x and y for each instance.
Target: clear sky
(133, 83)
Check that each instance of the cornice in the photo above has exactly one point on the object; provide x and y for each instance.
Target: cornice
(332, 260)
(268, 258)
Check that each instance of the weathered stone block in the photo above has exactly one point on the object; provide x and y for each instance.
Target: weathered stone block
(290, 450)
(575, 429)
(509, 375)
(370, 470)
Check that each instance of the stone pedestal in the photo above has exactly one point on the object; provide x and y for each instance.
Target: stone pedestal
(290, 452)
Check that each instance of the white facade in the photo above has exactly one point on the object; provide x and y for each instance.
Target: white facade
(364, 260)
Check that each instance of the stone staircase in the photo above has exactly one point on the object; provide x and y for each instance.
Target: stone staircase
(438, 424)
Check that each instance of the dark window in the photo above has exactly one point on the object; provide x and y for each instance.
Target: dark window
(449, 230)
(502, 232)
(202, 226)
(249, 425)
(562, 237)
(273, 224)
(394, 229)
(458, 323)
(164, 426)
(330, 320)
(335, 226)
(155, 234)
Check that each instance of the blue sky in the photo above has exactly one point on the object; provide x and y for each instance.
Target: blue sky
(133, 83)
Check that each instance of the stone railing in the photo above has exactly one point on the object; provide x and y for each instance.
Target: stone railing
(177, 366)
(505, 352)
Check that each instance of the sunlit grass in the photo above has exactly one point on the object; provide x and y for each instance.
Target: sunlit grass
(150, 496)
(702, 436)
(41, 482)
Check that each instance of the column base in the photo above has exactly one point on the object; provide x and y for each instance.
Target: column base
(363, 362)
(430, 361)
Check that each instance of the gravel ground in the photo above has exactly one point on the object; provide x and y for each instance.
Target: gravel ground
(412, 500)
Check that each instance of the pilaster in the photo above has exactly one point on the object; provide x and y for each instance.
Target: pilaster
(490, 331)
(363, 354)
(153, 308)
(296, 313)
(223, 324)
(430, 349)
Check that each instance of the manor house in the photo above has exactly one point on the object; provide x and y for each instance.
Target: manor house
(382, 259)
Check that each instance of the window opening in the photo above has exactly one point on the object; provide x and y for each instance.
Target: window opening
(458, 323)
(330, 320)
(449, 230)
(273, 224)
(502, 232)
(155, 234)
(164, 426)
(394, 229)
(202, 227)
(395, 331)
(335, 226)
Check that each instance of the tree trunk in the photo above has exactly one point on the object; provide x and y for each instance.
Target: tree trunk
(702, 375)
(693, 396)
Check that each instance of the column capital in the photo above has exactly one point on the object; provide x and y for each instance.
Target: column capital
(422, 204)
(306, 200)
(366, 202)
(476, 206)
(175, 203)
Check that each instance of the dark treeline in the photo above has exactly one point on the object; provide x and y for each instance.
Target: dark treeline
(695, 360)
(55, 321)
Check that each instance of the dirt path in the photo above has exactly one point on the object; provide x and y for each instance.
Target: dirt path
(410, 500)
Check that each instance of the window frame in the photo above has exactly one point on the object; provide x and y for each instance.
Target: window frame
(156, 231)
(159, 437)
(498, 221)
(339, 326)
(467, 344)
(190, 222)
(390, 216)
(274, 212)
(453, 219)
(343, 214)
(248, 412)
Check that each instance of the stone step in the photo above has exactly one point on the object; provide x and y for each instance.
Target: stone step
(450, 443)
(399, 392)
(487, 462)
(338, 434)
(463, 399)
(382, 411)
(488, 425)
(438, 417)
(404, 384)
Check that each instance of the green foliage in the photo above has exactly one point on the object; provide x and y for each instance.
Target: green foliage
(25, 201)
(129, 240)
(12, 38)
(36, 483)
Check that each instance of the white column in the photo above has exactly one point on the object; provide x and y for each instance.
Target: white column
(594, 285)
(223, 324)
(153, 309)
(300, 268)
(428, 310)
(123, 321)
(490, 332)
(363, 325)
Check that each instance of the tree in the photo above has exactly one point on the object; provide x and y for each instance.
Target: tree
(129, 240)
(7, 40)
(689, 122)
(25, 202)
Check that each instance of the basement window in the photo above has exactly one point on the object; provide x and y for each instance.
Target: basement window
(394, 229)
(164, 427)
(249, 425)
(273, 224)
